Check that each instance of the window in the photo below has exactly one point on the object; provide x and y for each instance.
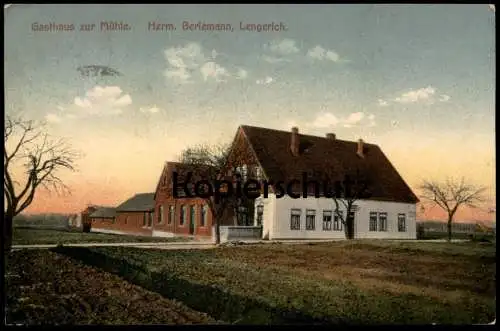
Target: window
(171, 211)
(401, 222)
(192, 214)
(327, 220)
(337, 220)
(161, 219)
(382, 221)
(204, 215)
(126, 220)
(258, 173)
(373, 221)
(242, 216)
(145, 219)
(295, 219)
(260, 214)
(183, 215)
(310, 219)
(244, 172)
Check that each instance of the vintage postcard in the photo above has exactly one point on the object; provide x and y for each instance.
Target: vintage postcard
(348, 148)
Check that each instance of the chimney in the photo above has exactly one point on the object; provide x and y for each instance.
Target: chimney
(360, 148)
(294, 143)
(330, 136)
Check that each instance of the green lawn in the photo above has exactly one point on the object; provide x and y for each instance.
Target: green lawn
(32, 236)
(366, 282)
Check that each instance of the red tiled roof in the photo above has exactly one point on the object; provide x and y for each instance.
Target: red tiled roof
(322, 158)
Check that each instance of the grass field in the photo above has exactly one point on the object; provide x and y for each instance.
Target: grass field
(47, 288)
(33, 236)
(367, 282)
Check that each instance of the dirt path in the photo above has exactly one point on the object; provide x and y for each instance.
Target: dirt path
(47, 288)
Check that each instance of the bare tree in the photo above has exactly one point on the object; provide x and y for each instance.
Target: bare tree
(354, 187)
(217, 164)
(28, 146)
(452, 194)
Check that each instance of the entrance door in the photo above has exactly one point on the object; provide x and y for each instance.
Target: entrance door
(191, 219)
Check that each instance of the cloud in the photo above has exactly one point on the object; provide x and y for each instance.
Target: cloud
(320, 53)
(184, 63)
(53, 118)
(274, 59)
(152, 109)
(491, 7)
(413, 96)
(104, 100)
(382, 103)
(425, 94)
(279, 51)
(241, 74)
(212, 70)
(266, 81)
(286, 46)
(327, 120)
(444, 98)
(371, 119)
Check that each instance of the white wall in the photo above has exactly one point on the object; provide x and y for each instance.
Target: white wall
(268, 224)
(278, 213)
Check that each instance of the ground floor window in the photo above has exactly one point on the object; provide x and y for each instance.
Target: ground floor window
(171, 217)
(145, 219)
(183, 215)
(401, 222)
(337, 221)
(161, 220)
(260, 215)
(295, 219)
(373, 221)
(382, 221)
(310, 219)
(204, 215)
(327, 220)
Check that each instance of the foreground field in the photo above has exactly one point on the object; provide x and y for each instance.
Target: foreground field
(31, 236)
(343, 282)
(47, 288)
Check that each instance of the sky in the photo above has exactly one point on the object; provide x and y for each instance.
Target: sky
(418, 80)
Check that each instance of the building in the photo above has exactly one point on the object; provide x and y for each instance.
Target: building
(181, 216)
(275, 156)
(133, 217)
(86, 222)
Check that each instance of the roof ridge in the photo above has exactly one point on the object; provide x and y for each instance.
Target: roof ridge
(305, 134)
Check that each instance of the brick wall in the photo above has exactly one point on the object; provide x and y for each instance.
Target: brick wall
(130, 222)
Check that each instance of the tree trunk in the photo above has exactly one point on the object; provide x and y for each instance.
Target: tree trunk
(349, 230)
(7, 232)
(449, 228)
(217, 232)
